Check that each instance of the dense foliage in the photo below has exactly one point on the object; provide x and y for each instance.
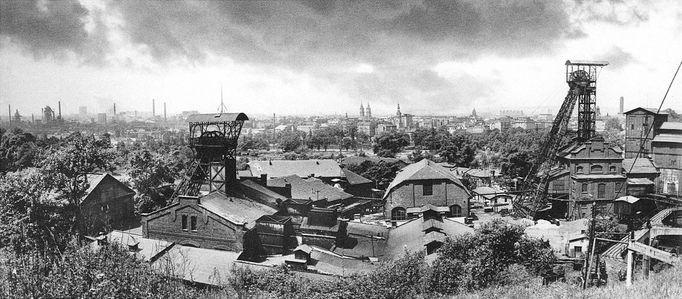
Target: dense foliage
(109, 272)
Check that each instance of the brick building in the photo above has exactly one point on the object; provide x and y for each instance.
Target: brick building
(637, 123)
(667, 152)
(214, 221)
(596, 176)
(422, 183)
(107, 203)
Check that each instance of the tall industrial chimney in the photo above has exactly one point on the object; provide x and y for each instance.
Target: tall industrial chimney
(622, 105)
(153, 108)
(9, 112)
(114, 109)
(60, 109)
(164, 111)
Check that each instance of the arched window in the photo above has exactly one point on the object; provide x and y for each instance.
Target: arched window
(579, 169)
(596, 169)
(398, 214)
(612, 169)
(456, 211)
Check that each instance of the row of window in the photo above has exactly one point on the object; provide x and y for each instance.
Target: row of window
(596, 169)
(192, 223)
(400, 213)
(601, 189)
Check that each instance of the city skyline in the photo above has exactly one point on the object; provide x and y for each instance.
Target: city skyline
(296, 58)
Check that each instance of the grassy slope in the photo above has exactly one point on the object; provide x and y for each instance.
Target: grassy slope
(667, 284)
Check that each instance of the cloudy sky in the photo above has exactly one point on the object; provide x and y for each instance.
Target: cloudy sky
(325, 57)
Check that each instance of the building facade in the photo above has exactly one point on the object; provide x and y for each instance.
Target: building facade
(107, 203)
(638, 122)
(667, 152)
(425, 183)
(596, 178)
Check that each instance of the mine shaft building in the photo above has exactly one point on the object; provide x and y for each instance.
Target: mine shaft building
(595, 176)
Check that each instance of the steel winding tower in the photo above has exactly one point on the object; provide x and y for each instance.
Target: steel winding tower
(213, 137)
(581, 77)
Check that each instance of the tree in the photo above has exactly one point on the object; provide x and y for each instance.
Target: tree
(66, 167)
(382, 173)
(471, 262)
(389, 144)
(17, 150)
(148, 172)
(32, 217)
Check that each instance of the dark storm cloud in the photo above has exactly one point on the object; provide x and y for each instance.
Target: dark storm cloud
(299, 33)
(50, 28)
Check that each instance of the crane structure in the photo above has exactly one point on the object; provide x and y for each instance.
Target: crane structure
(581, 77)
(213, 138)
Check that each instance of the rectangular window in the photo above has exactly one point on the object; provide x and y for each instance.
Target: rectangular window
(578, 250)
(428, 189)
(184, 222)
(584, 188)
(673, 162)
(193, 223)
(601, 190)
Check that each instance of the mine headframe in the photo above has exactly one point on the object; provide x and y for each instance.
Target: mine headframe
(581, 77)
(213, 138)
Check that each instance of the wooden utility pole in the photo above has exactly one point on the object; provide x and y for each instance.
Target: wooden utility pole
(590, 248)
(628, 279)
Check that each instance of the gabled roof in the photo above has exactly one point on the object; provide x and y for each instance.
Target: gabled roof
(96, 179)
(648, 110)
(423, 170)
(354, 178)
(236, 210)
(641, 166)
(312, 188)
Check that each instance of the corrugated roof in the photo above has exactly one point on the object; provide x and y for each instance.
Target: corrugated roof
(312, 188)
(672, 138)
(217, 117)
(616, 250)
(235, 210)
(301, 168)
(641, 166)
(423, 170)
(669, 125)
(354, 178)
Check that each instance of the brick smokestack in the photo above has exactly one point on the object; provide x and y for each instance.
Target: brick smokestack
(59, 103)
(164, 111)
(153, 107)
